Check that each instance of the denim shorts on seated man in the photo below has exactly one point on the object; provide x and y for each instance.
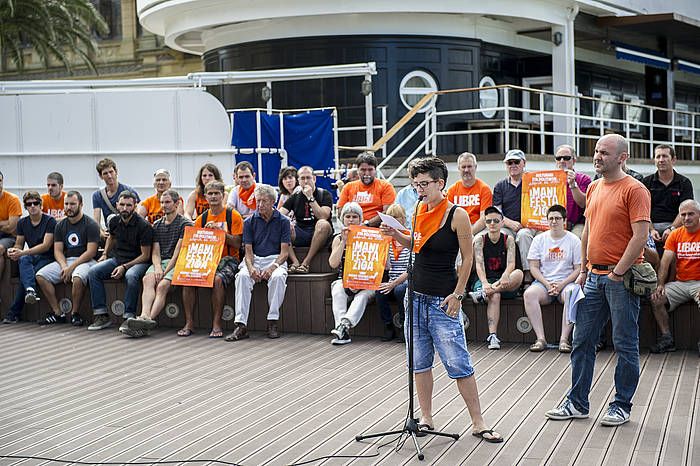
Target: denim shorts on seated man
(52, 271)
(433, 329)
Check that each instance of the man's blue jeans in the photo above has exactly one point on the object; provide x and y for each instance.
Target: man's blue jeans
(102, 271)
(605, 297)
(383, 302)
(28, 267)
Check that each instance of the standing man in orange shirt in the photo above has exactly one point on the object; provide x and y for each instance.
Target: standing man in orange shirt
(52, 201)
(470, 193)
(150, 208)
(683, 247)
(373, 195)
(10, 212)
(606, 256)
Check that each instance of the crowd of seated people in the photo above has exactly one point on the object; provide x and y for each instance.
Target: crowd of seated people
(138, 241)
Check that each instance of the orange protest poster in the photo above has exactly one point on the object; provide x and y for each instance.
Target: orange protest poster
(365, 258)
(541, 190)
(199, 256)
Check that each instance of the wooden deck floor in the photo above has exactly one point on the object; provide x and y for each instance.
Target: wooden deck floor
(96, 397)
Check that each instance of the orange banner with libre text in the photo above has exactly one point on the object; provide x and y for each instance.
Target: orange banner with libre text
(199, 256)
(366, 252)
(541, 190)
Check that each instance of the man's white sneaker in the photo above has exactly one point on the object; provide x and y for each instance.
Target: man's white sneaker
(615, 416)
(565, 411)
(494, 342)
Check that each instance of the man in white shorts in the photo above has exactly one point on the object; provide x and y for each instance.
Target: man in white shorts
(75, 247)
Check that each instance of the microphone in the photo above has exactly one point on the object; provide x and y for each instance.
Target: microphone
(421, 197)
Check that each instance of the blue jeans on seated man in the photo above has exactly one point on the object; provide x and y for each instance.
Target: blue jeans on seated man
(605, 297)
(28, 267)
(103, 271)
(399, 292)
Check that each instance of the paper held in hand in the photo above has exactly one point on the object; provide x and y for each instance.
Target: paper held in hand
(390, 221)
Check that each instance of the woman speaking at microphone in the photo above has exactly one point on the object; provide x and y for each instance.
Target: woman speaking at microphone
(441, 231)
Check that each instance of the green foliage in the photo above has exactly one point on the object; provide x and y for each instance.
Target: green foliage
(52, 28)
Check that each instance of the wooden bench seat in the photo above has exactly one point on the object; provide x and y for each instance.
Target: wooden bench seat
(307, 309)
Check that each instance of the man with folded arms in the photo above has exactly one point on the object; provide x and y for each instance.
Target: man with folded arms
(266, 236)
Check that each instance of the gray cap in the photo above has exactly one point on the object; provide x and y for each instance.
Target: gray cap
(514, 154)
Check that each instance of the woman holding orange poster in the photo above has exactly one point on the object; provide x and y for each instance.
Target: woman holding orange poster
(441, 232)
(346, 317)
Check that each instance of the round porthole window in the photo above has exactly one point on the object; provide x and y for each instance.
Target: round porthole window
(414, 86)
(488, 98)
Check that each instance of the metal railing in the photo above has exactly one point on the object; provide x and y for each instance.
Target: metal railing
(524, 114)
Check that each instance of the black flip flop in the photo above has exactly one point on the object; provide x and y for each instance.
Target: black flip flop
(492, 439)
(422, 428)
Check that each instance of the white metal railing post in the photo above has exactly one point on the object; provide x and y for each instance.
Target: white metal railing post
(258, 140)
(673, 127)
(383, 129)
(651, 133)
(433, 134)
(426, 131)
(335, 138)
(369, 117)
(577, 111)
(506, 119)
(269, 101)
(541, 124)
(692, 136)
(283, 152)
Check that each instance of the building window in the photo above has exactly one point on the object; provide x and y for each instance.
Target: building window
(683, 120)
(414, 86)
(111, 11)
(488, 99)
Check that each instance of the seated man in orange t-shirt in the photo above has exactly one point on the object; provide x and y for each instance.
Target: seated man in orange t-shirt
(373, 195)
(150, 208)
(683, 247)
(218, 217)
(470, 193)
(10, 212)
(52, 201)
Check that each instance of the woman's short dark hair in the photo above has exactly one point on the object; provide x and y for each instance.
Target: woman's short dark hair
(285, 172)
(434, 167)
(557, 208)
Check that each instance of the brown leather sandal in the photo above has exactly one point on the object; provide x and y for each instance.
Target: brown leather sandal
(538, 346)
(564, 347)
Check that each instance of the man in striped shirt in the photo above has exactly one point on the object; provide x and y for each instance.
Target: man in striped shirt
(167, 239)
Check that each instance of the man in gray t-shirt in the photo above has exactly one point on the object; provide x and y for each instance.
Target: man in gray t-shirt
(167, 239)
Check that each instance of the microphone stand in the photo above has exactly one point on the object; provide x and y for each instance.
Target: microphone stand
(410, 426)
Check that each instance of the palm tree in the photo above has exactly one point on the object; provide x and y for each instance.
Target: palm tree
(52, 27)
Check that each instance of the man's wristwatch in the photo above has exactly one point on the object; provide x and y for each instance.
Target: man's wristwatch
(459, 297)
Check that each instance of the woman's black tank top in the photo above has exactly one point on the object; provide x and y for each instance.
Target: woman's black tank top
(434, 271)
